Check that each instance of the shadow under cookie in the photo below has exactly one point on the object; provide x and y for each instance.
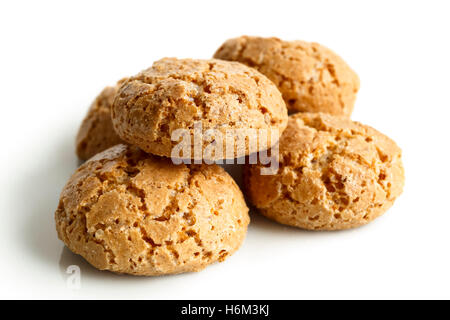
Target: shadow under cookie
(36, 197)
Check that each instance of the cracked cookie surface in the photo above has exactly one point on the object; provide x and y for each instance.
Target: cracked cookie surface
(311, 77)
(131, 212)
(182, 93)
(334, 174)
(96, 132)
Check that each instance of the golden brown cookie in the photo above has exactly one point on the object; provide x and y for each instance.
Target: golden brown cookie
(334, 174)
(131, 212)
(96, 132)
(182, 94)
(311, 77)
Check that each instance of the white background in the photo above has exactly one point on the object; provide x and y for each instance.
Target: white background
(55, 57)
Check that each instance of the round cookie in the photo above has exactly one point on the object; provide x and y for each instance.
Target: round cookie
(311, 77)
(334, 174)
(96, 132)
(131, 212)
(199, 96)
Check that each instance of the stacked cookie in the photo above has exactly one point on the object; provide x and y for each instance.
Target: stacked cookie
(147, 204)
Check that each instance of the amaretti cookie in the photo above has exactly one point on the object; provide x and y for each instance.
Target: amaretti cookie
(311, 77)
(221, 100)
(131, 212)
(334, 174)
(96, 132)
